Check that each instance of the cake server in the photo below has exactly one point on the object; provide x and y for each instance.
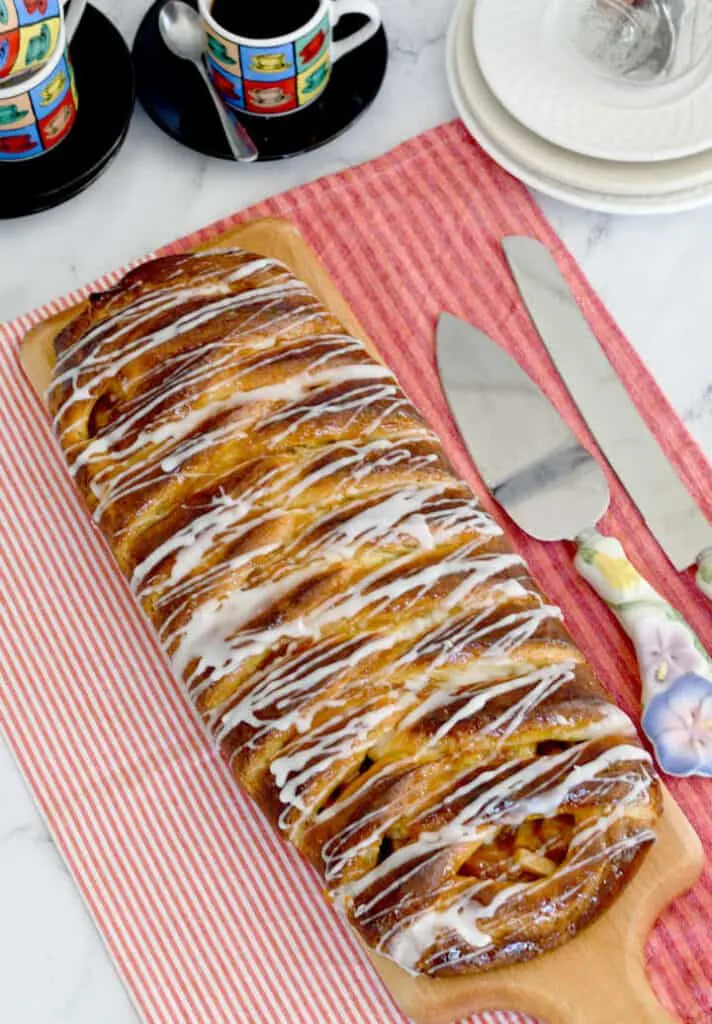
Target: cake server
(620, 431)
(554, 489)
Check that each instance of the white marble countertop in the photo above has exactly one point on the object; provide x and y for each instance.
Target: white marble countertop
(653, 273)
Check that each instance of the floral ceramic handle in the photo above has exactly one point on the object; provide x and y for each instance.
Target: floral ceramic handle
(674, 666)
(703, 579)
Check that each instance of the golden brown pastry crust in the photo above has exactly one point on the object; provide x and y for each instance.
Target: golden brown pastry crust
(374, 663)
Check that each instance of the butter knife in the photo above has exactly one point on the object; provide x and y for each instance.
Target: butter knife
(619, 429)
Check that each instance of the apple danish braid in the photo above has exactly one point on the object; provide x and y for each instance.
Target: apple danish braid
(370, 657)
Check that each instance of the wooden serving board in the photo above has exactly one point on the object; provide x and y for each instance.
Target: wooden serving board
(597, 978)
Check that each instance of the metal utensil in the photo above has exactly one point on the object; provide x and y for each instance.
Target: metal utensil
(182, 31)
(635, 40)
(73, 17)
(620, 431)
(554, 489)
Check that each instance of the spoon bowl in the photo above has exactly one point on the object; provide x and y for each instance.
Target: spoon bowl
(182, 31)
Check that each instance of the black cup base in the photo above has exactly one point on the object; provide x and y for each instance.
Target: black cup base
(99, 56)
(174, 96)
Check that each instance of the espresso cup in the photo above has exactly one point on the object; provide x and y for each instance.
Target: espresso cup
(30, 32)
(283, 73)
(38, 111)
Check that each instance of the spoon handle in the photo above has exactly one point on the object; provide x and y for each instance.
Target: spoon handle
(73, 17)
(242, 146)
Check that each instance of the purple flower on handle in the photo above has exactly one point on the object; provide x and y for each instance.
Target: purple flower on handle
(666, 652)
(679, 724)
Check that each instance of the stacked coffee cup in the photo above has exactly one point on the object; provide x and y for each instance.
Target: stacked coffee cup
(38, 96)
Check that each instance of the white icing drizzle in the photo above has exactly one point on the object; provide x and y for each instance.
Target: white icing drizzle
(500, 796)
(344, 600)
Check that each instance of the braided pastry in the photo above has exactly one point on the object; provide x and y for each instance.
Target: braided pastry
(374, 663)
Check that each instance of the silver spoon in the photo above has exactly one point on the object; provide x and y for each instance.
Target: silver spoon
(182, 31)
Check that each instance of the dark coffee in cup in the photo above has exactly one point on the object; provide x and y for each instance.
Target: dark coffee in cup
(263, 19)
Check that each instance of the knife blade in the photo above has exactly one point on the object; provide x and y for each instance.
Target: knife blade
(618, 428)
(554, 489)
(548, 483)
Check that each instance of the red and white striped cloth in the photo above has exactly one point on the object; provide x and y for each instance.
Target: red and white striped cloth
(210, 918)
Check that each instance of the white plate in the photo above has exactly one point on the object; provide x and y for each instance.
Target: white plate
(581, 181)
(525, 53)
(568, 168)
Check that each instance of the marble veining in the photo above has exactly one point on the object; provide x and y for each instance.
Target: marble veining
(53, 966)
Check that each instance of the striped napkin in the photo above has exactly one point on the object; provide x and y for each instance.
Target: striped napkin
(210, 918)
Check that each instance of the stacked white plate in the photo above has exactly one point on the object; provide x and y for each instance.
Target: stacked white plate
(661, 140)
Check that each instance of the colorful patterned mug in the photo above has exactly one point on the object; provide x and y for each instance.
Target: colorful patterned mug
(30, 31)
(287, 72)
(37, 112)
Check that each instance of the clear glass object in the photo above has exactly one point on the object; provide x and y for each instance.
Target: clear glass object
(645, 41)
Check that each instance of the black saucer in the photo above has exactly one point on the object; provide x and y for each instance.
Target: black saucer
(175, 98)
(105, 85)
